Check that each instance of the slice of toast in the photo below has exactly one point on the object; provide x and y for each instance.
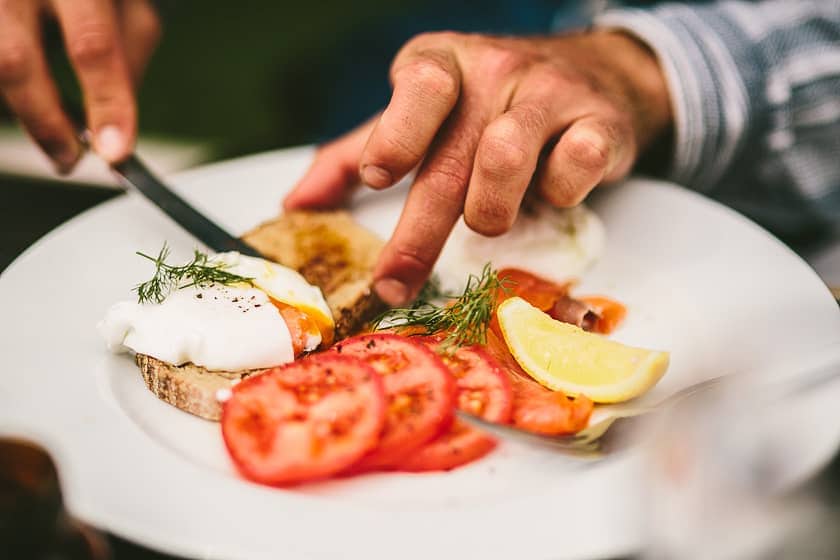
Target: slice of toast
(189, 387)
(331, 251)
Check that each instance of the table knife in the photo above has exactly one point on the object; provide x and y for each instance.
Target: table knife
(135, 174)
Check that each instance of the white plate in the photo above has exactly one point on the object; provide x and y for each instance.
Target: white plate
(698, 280)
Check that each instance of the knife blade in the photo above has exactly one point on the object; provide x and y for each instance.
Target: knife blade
(135, 174)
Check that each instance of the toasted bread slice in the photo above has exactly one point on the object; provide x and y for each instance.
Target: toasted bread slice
(331, 251)
(191, 388)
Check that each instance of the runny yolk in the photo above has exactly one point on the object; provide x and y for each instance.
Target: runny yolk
(301, 326)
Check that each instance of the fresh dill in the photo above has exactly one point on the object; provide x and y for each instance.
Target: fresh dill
(463, 319)
(431, 292)
(199, 272)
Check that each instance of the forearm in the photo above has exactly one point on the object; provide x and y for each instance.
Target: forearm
(754, 93)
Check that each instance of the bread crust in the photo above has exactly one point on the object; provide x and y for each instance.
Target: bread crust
(331, 251)
(191, 388)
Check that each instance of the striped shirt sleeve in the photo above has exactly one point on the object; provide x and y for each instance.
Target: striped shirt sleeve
(755, 93)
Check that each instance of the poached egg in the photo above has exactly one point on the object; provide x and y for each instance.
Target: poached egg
(226, 327)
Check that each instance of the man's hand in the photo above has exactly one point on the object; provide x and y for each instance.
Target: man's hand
(485, 117)
(108, 44)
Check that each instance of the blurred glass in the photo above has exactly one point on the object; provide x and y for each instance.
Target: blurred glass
(33, 522)
(726, 470)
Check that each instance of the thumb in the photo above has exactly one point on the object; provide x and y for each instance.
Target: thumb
(334, 173)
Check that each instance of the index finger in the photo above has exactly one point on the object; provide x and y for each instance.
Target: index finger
(427, 82)
(434, 204)
(91, 36)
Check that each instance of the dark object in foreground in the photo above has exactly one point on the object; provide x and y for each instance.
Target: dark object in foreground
(33, 522)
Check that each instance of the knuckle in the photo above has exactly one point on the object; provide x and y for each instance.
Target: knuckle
(610, 113)
(497, 61)
(553, 80)
(562, 193)
(447, 178)
(412, 258)
(533, 117)
(93, 45)
(394, 148)
(499, 154)
(588, 150)
(114, 104)
(148, 25)
(431, 77)
(490, 218)
(15, 62)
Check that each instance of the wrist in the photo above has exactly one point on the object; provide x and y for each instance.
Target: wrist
(642, 83)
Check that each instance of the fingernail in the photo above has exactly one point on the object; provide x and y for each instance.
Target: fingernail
(376, 176)
(110, 143)
(392, 292)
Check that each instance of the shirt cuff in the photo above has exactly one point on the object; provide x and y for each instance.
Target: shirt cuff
(708, 65)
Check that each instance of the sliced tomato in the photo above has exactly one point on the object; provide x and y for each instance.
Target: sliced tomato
(461, 444)
(419, 393)
(536, 408)
(483, 390)
(305, 420)
(610, 313)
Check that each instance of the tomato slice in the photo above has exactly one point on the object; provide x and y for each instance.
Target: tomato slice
(419, 392)
(536, 408)
(483, 390)
(305, 420)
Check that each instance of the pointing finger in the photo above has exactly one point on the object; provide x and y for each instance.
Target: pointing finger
(426, 86)
(434, 204)
(334, 173)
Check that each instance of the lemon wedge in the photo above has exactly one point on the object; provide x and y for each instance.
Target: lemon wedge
(564, 357)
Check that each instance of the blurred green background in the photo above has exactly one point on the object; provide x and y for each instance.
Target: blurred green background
(241, 76)
(252, 75)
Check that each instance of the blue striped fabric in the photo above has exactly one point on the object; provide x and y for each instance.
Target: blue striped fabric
(755, 89)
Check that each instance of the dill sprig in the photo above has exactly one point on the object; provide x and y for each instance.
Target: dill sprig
(464, 318)
(199, 272)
